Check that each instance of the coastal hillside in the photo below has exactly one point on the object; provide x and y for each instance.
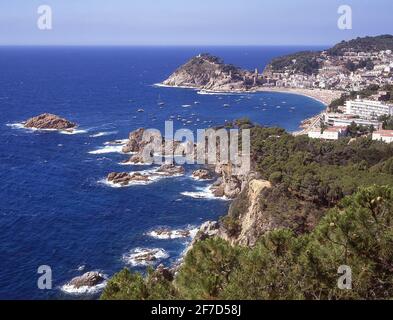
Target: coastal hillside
(307, 62)
(362, 61)
(312, 62)
(208, 72)
(308, 207)
(366, 44)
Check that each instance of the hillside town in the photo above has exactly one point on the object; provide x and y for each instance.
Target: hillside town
(363, 78)
(353, 71)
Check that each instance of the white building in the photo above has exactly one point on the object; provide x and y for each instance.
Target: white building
(368, 108)
(345, 120)
(332, 133)
(383, 135)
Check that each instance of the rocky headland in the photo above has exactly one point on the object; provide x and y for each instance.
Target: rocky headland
(207, 72)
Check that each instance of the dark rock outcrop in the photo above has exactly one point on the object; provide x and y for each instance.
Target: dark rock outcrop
(49, 121)
(89, 279)
(162, 272)
(135, 141)
(170, 170)
(124, 178)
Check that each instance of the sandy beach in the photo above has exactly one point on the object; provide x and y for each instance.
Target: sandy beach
(323, 96)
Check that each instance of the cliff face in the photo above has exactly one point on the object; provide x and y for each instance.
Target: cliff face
(246, 221)
(207, 72)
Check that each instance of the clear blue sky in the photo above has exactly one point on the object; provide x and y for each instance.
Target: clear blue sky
(191, 22)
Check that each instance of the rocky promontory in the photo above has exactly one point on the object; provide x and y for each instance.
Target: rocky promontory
(47, 121)
(207, 72)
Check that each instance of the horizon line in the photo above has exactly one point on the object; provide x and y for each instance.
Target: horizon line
(166, 45)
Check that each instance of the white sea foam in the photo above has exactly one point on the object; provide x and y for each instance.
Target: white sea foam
(103, 134)
(217, 93)
(72, 132)
(15, 125)
(167, 234)
(108, 149)
(161, 85)
(134, 164)
(69, 289)
(111, 147)
(72, 290)
(116, 142)
(202, 193)
(20, 125)
(144, 256)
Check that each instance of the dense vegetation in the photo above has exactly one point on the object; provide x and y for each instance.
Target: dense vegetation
(333, 204)
(357, 233)
(309, 62)
(387, 122)
(305, 62)
(378, 43)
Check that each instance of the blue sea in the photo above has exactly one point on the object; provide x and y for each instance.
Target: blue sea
(54, 208)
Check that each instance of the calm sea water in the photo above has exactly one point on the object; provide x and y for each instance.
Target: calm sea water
(53, 209)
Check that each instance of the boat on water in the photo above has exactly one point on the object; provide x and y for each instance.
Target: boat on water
(186, 105)
(141, 110)
(226, 105)
(159, 101)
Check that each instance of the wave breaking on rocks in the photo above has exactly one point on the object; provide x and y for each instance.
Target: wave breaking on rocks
(143, 257)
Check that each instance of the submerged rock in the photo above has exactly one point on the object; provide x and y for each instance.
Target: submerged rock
(89, 279)
(49, 121)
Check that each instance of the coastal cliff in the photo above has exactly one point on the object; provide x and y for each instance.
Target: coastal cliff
(210, 73)
(300, 195)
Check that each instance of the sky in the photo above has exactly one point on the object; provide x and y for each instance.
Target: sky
(191, 22)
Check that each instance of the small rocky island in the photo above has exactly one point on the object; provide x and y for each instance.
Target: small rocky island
(47, 121)
(210, 73)
(89, 279)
